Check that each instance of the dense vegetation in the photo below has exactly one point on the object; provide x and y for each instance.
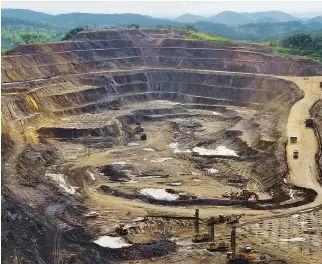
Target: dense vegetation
(259, 32)
(301, 45)
(215, 40)
(26, 26)
(15, 32)
(71, 33)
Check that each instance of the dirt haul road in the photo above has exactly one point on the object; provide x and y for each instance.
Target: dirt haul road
(303, 172)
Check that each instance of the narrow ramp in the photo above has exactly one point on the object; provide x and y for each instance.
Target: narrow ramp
(303, 171)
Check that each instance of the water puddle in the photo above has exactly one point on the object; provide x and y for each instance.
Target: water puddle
(91, 175)
(132, 144)
(175, 183)
(119, 163)
(160, 160)
(196, 180)
(175, 147)
(149, 149)
(219, 151)
(293, 239)
(212, 171)
(111, 242)
(160, 194)
(60, 179)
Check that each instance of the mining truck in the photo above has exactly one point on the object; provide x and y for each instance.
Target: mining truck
(197, 236)
(296, 154)
(244, 195)
(293, 139)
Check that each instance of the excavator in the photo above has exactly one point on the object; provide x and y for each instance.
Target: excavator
(232, 219)
(198, 237)
(212, 245)
(244, 195)
(241, 258)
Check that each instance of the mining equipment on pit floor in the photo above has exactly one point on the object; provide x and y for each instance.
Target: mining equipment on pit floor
(121, 230)
(241, 258)
(293, 139)
(244, 195)
(197, 236)
(296, 154)
(143, 136)
(212, 245)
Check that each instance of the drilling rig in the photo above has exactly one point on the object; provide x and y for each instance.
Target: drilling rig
(240, 258)
(212, 245)
(197, 237)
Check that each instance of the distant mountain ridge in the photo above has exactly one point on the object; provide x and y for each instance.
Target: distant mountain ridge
(92, 20)
(234, 18)
(239, 26)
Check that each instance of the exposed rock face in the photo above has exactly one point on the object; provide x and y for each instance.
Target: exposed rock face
(83, 90)
(108, 50)
(316, 113)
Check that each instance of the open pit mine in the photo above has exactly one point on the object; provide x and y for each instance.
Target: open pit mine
(141, 146)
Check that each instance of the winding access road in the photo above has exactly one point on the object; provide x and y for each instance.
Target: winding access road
(303, 171)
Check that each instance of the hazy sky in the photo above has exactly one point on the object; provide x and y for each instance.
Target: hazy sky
(167, 8)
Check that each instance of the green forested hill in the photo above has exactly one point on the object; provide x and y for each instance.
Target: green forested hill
(12, 31)
(47, 27)
(259, 32)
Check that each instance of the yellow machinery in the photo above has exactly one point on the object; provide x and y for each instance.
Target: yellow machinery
(232, 219)
(212, 245)
(244, 195)
(197, 237)
(293, 139)
(241, 258)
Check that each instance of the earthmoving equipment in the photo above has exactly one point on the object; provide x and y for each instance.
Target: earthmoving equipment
(222, 218)
(121, 230)
(197, 237)
(138, 129)
(247, 248)
(226, 194)
(310, 230)
(293, 139)
(309, 122)
(244, 195)
(234, 257)
(212, 245)
(320, 84)
(143, 136)
(295, 154)
(232, 219)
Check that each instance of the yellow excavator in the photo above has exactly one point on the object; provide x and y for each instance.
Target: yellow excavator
(241, 258)
(244, 195)
(212, 245)
(198, 237)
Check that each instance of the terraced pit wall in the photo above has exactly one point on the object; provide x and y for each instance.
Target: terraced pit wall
(108, 50)
(102, 71)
